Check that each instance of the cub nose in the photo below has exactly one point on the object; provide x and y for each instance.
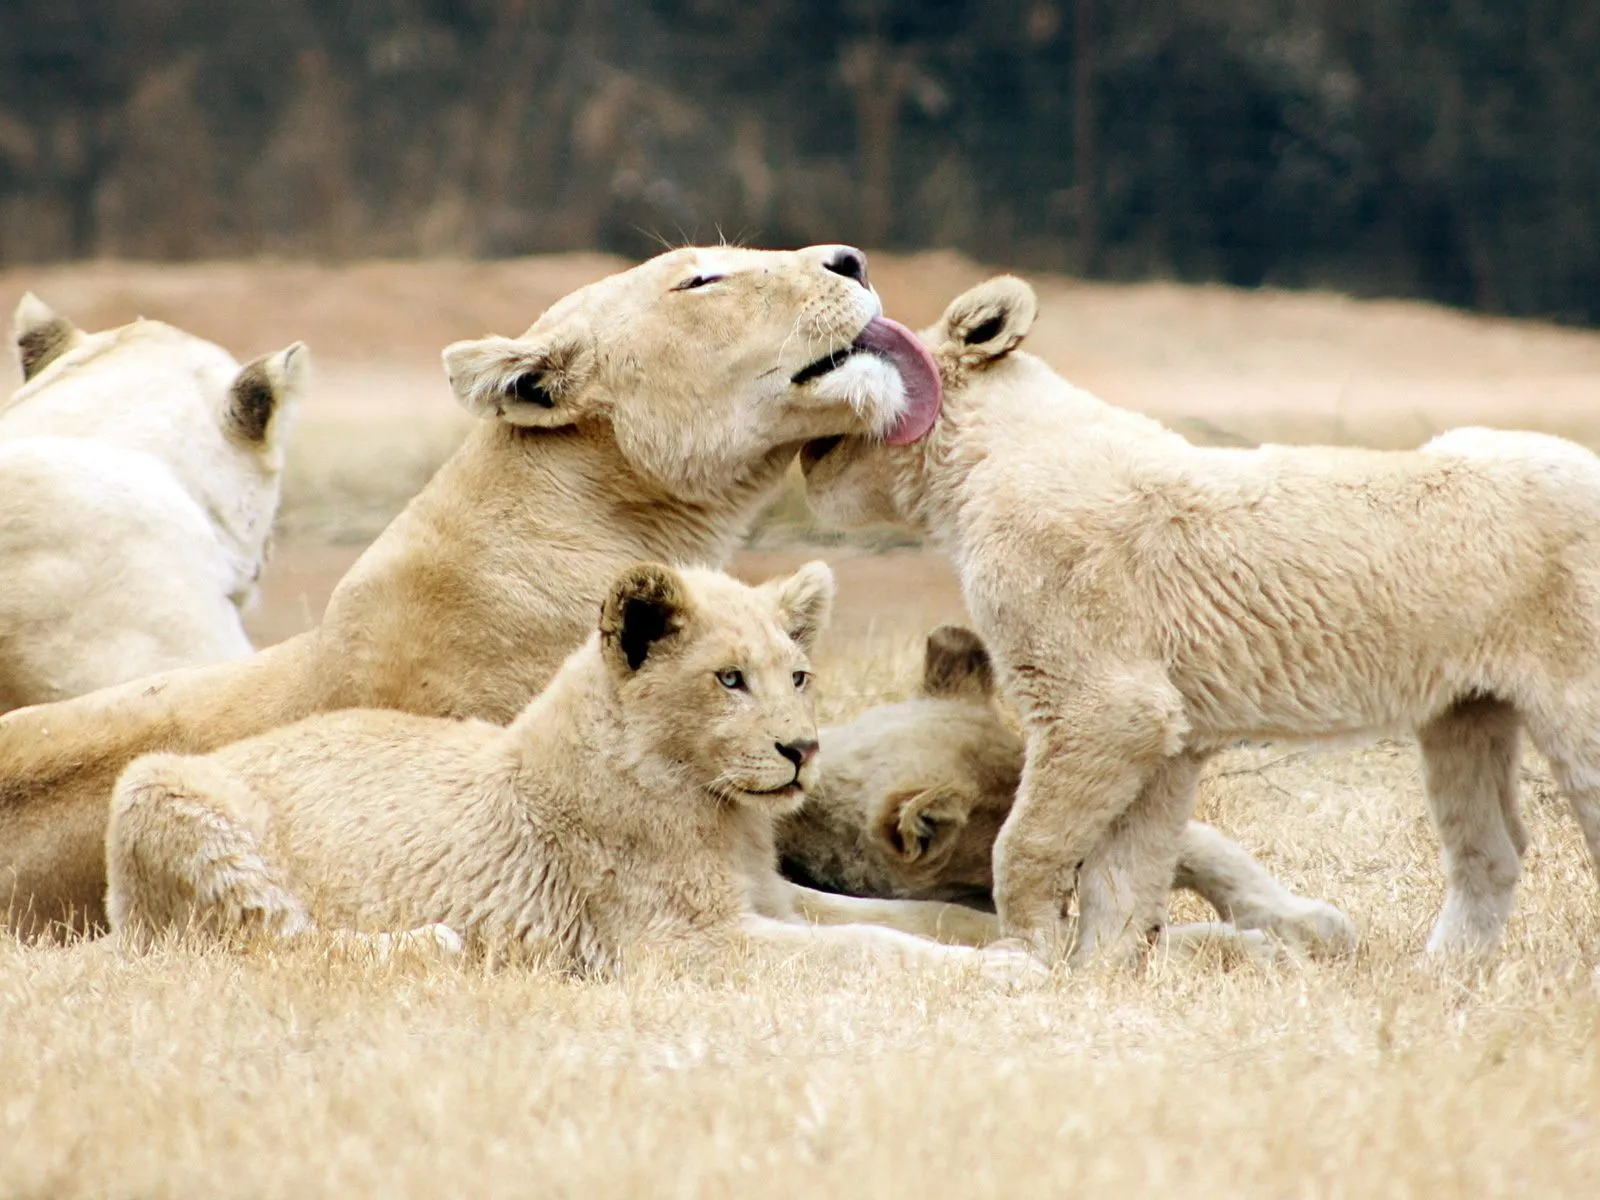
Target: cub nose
(798, 752)
(849, 262)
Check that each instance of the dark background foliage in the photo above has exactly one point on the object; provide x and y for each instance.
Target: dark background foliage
(1448, 149)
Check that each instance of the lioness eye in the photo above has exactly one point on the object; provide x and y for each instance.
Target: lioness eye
(801, 678)
(731, 679)
(695, 281)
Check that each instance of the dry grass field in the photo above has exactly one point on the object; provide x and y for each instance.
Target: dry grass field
(193, 1072)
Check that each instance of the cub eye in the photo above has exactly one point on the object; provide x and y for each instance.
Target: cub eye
(695, 281)
(731, 679)
(801, 678)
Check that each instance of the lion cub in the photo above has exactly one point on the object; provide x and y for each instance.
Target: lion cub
(628, 809)
(1148, 602)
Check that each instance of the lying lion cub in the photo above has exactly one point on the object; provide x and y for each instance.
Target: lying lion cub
(913, 794)
(628, 809)
(1149, 601)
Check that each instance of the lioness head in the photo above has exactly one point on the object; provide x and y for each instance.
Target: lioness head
(857, 481)
(712, 677)
(913, 794)
(708, 361)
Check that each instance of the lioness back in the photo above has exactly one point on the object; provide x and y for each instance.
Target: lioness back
(139, 477)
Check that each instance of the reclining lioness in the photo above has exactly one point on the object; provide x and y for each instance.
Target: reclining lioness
(913, 794)
(1148, 601)
(627, 810)
(646, 416)
(139, 477)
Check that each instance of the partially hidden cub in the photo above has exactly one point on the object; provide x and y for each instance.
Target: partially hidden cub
(913, 795)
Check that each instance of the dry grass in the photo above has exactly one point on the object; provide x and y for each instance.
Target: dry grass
(282, 1074)
(196, 1072)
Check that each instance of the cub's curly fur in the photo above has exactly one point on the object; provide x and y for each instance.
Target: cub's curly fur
(1148, 601)
(646, 416)
(139, 476)
(628, 810)
(913, 794)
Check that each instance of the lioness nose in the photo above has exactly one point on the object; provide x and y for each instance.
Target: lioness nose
(849, 262)
(798, 752)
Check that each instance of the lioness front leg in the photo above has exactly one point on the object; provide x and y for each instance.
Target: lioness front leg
(885, 946)
(1244, 892)
(1087, 761)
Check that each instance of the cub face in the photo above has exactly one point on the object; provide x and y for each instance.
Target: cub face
(713, 678)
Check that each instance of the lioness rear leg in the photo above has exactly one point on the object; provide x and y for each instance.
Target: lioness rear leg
(1469, 759)
(183, 853)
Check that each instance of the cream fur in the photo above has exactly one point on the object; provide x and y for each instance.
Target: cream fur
(626, 812)
(1148, 601)
(139, 477)
(913, 795)
(636, 419)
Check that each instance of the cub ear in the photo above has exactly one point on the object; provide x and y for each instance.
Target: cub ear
(536, 380)
(956, 665)
(647, 605)
(805, 601)
(988, 321)
(916, 825)
(41, 335)
(265, 394)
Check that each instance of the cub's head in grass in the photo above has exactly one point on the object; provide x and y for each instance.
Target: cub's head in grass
(914, 793)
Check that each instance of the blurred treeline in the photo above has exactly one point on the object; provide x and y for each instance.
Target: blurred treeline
(1441, 148)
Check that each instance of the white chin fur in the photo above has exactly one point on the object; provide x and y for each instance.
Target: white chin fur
(871, 386)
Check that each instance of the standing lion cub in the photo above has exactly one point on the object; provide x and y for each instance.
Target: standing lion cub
(628, 809)
(1148, 601)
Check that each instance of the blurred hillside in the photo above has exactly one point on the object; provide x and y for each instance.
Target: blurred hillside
(1448, 149)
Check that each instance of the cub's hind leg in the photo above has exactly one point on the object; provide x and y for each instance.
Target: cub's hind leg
(181, 852)
(1469, 759)
(184, 851)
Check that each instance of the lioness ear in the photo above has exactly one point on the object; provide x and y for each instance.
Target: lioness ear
(986, 322)
(956, 665)
(646, 605)
(266, 392)
(916, 824)
(535, 381)
(41, 334)
(805, 601)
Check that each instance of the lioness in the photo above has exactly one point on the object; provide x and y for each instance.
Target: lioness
(913, 794)
(627, 810)
(646, 416)
(1149, 601)
(139, 477)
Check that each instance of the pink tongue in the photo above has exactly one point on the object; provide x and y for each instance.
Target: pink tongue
(917, 371)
